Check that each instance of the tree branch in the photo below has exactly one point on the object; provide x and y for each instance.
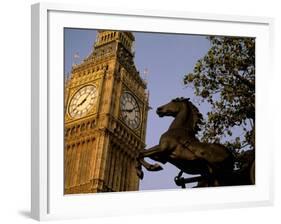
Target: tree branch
(245, 81)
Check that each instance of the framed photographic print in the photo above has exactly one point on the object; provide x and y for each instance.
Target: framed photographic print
(154, 111)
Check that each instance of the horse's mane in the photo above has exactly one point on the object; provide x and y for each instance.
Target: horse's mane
(196, 115)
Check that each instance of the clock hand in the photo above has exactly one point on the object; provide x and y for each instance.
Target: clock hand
(131, 110)
(83, 101)
(128, 110)
(89, 93)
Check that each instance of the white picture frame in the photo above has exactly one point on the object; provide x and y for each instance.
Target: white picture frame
(47, 199)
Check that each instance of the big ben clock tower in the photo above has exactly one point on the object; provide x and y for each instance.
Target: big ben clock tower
(105, 118)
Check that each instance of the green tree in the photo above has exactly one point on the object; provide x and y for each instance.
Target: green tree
(225, 78)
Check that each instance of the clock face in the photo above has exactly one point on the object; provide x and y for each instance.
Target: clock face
(83, 101)
(130, 110)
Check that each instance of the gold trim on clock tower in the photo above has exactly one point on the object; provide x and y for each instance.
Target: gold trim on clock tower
(106, 106)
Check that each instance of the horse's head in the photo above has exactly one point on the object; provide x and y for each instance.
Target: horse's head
(172, 108)
(193, 116)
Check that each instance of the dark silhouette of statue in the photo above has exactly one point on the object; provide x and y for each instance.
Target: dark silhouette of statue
(213, 162)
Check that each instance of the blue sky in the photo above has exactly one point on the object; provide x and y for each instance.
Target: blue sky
(167, 58)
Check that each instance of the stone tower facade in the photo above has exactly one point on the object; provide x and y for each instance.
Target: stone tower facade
(106, 108)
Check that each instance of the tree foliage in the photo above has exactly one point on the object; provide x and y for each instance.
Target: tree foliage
(225, 78)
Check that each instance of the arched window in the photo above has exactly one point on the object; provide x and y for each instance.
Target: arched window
(83, 127)
(93, 124)
(73, 130)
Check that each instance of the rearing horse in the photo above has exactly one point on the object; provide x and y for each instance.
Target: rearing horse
(180, 147)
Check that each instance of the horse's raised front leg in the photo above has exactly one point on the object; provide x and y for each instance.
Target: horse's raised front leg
(150, 167)
(156, 152)
(149, 152)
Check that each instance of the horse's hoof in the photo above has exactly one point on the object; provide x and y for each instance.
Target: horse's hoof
(156, 167)
(140, 174)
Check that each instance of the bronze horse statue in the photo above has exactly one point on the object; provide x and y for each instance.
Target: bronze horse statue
(180, 147)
